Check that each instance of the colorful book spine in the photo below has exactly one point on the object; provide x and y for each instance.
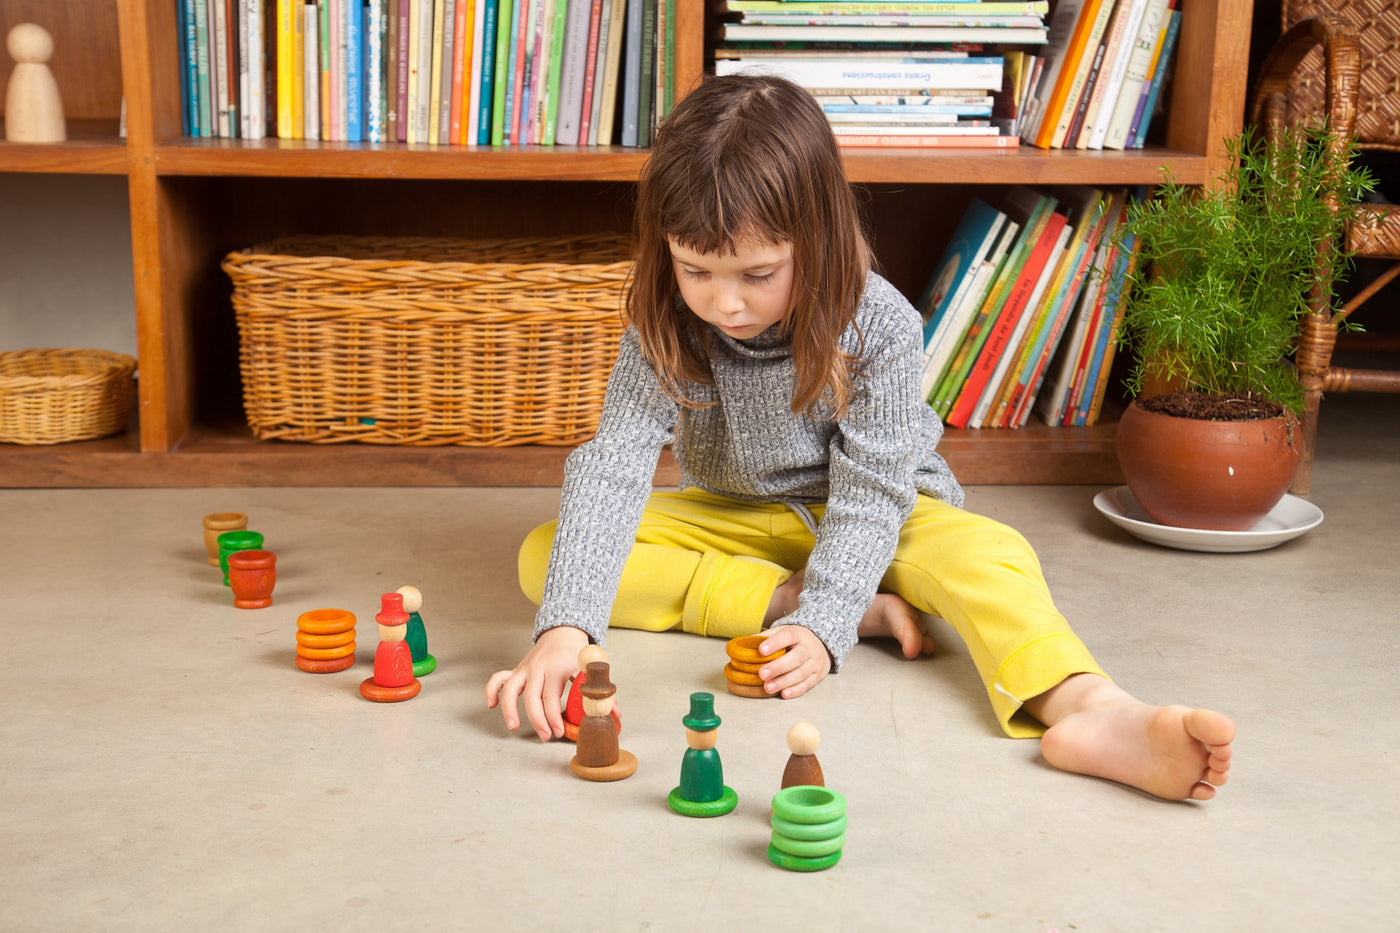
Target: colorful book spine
(285, 75)
(553, 78)
(353, 31)
(505, 67)
(646, 80)
(1159, 76)
(375, 33)
(435, 56)
(487, 96)
(587, 109)
(611, 72)
(311, 72)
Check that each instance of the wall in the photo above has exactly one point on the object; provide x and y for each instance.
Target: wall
(65, 263)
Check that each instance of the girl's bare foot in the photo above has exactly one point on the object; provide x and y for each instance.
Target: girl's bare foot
(889, 616)
(1097, 728)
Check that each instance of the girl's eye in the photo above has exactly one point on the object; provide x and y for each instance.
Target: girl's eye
(761, 279)
(692, 273)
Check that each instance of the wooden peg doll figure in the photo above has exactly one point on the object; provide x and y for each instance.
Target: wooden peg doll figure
(573, 703)
(393, 678)
(33, 106)
(802, 765)
(598, 757)
(416, 634)
(702, 791)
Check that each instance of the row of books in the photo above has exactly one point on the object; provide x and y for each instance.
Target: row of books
(909, 73)
(1021, 311)
(441, 72)
(1106, 64)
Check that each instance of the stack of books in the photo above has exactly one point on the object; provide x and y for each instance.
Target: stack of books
(441, 72)
(1021, 310)
(1106, 62)
(914, 73)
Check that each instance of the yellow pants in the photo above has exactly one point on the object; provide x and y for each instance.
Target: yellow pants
(709, 565)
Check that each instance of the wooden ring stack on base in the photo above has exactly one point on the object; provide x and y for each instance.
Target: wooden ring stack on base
(741, 673)
(809, 828)
(325, 640)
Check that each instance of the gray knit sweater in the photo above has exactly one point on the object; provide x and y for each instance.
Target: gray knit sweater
(867, 468)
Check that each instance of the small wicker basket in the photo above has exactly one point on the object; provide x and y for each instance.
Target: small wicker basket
(427, 341)
(54, 396)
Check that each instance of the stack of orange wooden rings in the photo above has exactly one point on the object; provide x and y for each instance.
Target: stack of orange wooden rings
(325, 640)
(741, 673)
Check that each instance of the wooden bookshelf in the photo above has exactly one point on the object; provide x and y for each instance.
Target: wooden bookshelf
(193, 200)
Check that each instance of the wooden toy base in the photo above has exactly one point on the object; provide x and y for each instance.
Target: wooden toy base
(625, 767)
(424, 667)
(253, 603)
(373, 691)
(727, 801)
(743, 690)
(313, 666)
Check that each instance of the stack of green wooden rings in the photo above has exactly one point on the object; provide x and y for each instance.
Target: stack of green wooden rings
(809, 828)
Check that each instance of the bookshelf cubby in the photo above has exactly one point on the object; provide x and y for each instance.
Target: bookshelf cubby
(193, 200)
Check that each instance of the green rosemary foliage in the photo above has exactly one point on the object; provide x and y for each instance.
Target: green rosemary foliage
(1223, 275)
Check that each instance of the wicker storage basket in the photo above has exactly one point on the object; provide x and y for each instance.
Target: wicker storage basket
(426, 342)
(54, 396)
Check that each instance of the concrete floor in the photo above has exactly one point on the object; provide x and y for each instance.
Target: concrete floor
(166, 767)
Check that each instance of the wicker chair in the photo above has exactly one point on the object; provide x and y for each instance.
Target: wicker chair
(1338, 60)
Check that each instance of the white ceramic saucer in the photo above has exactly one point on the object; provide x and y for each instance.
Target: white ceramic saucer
(1289, 519)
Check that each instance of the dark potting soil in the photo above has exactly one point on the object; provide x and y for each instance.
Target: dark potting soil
(1212, 407)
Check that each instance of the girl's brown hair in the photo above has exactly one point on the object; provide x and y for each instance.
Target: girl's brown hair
(740, 156)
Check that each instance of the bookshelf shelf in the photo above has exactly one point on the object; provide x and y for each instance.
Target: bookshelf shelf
(284, 158)
(1026, 165)
(193, 200)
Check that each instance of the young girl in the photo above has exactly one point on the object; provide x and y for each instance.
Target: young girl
(785, 375)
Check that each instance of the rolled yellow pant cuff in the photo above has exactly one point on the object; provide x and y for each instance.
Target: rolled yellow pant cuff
(1031, 670)
(730, 595)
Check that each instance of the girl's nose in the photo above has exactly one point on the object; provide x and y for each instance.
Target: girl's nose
(728, 300)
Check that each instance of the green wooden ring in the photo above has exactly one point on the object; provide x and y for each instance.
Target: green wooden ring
(424, 667)
(798, 863)
(807, 803)
(809, 848)
(808, 830)
(727, 801)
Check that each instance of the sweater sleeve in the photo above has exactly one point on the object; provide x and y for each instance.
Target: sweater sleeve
(873, 455)
(606, 484)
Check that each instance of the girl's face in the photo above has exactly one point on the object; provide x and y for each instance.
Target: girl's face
(742, 294)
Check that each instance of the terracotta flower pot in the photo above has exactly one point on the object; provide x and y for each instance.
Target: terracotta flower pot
(251, 576)
(1214, 475)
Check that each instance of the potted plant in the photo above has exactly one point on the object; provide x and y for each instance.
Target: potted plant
(1221, 278)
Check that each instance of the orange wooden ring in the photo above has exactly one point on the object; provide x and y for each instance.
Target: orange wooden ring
(754, 693)
(748, 667)
(745, 648)
(372, 691)
(743, 678)
(325, 667)
(326, 654)
(326, 621)
(326, 641)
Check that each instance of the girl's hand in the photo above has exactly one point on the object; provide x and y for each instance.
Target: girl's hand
(539, 680)
(806, 663)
